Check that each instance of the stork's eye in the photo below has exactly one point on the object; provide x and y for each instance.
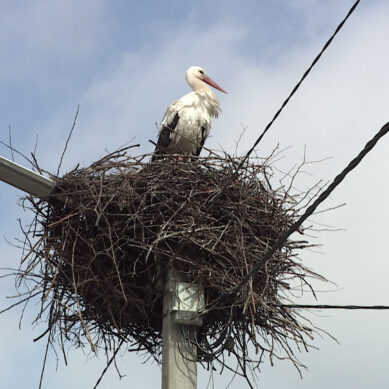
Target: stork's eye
(201, 72)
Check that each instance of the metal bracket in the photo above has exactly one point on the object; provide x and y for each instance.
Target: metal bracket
(186, 302)
(25, 179)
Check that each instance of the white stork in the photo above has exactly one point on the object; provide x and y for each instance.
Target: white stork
(187, 121)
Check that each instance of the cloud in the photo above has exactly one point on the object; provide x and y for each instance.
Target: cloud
(58, 37)
(338, 108)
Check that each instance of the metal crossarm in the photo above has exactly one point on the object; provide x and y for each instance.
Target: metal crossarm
(25, 179)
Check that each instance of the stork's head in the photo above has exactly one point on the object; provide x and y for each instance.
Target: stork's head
(197, 78)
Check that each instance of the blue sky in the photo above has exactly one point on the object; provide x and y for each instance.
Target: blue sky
(124, 63)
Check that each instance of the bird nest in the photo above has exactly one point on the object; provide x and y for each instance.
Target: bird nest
(114, 229)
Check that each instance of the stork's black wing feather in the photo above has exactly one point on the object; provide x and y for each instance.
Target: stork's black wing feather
(164, 138)
(202, 141)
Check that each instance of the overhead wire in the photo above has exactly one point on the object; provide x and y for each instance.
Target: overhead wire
(326, 306)
(310, 210)
(294, 90)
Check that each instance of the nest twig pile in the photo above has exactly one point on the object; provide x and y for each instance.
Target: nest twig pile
(104, 248)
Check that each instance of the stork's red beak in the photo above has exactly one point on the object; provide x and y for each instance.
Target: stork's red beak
(213, 83)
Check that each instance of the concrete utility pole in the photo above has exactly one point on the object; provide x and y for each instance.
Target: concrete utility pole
(182, 303)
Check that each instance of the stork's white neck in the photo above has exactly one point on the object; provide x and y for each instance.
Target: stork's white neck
(198, 85)
(205, 93)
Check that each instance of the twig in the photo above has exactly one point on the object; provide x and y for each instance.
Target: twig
(68, 139)
(108, 364)
(10, 142)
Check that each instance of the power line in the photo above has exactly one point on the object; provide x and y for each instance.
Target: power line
(311, 209)
(297, 85)
(325, 306)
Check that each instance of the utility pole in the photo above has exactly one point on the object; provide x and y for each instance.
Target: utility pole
(182, 302)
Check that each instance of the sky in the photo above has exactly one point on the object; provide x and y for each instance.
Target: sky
(123, 62)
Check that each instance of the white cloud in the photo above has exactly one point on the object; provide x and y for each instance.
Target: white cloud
(58, 37)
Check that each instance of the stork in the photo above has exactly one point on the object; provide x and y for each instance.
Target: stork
(187, 122)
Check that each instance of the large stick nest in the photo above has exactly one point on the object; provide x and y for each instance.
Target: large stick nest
(100, 263)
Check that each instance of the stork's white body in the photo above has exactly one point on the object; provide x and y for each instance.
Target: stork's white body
(187, 122)
(195, 111)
